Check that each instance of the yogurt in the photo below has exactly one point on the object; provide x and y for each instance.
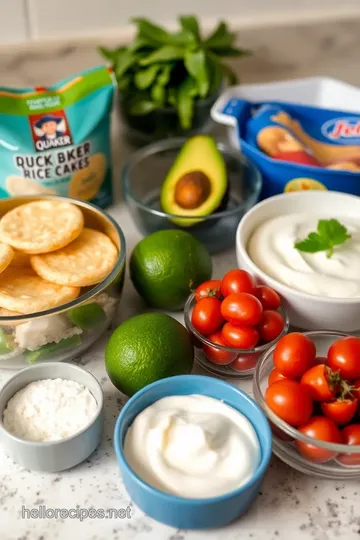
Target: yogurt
(271, 248)
(192, 446)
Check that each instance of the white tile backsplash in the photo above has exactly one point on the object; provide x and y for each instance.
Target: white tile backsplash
(13, 21)
(51, 19)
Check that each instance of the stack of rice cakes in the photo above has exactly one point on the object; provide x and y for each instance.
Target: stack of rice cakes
(47, 256)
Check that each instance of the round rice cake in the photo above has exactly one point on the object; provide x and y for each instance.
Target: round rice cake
(22, 290)
(86, 261)
(6, 256)
(41, 226)
(85, 184)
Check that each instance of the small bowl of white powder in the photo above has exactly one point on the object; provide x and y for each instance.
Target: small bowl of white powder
(51, 416)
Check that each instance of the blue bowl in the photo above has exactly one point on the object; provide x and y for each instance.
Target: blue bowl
(184, 513)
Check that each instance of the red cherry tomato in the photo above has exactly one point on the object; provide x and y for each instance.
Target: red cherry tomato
(237, 281)
(240, 337)
(218, 356)
(350, 436)
(245, 361)
(208, 288)
(321, 429)
(356, 390)
(321, 382)
(294, 354)
(344, 356)
(340, 411)
(206, 316)
(271, 325)
(290, 401)
(274, 376)
(242, 308)
(268, 297)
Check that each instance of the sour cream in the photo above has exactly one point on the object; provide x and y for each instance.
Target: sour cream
(271, 248)
(192, 446)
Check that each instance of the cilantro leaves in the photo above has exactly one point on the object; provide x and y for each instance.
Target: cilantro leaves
(330, 233)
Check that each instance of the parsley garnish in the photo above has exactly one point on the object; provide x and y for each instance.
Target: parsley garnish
(330, 233)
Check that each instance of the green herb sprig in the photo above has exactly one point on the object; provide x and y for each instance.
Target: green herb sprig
(330, 233)
(161, 68)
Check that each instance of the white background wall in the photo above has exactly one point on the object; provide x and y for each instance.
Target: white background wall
(27, 20)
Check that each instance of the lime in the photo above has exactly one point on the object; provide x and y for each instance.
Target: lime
(87, 316)
(147, 348)
(166, 266)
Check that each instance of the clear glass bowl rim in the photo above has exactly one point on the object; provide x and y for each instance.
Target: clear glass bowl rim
(175, 144)
(289, 430)
(97, 289)
(204, 340)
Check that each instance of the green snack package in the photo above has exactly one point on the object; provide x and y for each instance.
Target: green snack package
(87, 316)
(52, 348)
(56, 139)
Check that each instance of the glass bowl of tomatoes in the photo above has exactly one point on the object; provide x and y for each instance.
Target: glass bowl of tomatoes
(308, 385)
(233, 321)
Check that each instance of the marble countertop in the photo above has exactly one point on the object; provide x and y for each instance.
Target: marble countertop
(290, 504)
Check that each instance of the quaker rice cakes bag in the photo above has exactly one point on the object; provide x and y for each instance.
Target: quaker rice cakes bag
(56, 140)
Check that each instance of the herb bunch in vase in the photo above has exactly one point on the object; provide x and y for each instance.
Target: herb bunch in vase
(168, 81)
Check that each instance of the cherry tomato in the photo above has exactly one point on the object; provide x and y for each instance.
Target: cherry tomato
(321, 382)
(340, 411)
(242, 308)
(279, 433)
(237, 281)
(244, 362)
(240, 337)
(356, 389)
(268, 297)
(294, 354)
(274, 376)
(208, 288)
(350, 436)
(218, 356)
(271, 325)
(206, 316)
(290, 401)
(321, 429)
(344, 355)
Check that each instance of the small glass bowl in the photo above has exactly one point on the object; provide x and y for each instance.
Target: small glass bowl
(285, 436)
(144, 173)
(241, 362)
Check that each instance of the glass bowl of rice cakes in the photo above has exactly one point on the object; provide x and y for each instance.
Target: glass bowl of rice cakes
(62, 268)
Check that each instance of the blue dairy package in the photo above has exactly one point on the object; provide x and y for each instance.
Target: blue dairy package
(299, 147)
(56, 139)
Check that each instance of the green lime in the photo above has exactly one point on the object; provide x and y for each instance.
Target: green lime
(166, 266)
(87, 316)
(145, 349)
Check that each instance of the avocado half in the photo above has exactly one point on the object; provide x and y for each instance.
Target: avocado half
(196, 183)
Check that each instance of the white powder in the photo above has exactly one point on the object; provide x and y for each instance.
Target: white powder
(49, 410)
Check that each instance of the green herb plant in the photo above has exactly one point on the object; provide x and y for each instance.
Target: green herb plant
(172, 69)
(330, 233)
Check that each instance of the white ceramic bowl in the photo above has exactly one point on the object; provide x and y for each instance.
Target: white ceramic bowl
(306, 311)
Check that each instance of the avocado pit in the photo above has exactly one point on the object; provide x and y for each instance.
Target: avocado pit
(192, 190)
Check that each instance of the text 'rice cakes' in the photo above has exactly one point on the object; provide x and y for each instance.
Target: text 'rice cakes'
(86, 261)
(22, 290)
(41, 226)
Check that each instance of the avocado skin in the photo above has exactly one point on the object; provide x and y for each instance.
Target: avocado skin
(199, 153)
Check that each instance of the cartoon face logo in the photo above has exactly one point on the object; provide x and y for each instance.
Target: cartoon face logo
(50, 130)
